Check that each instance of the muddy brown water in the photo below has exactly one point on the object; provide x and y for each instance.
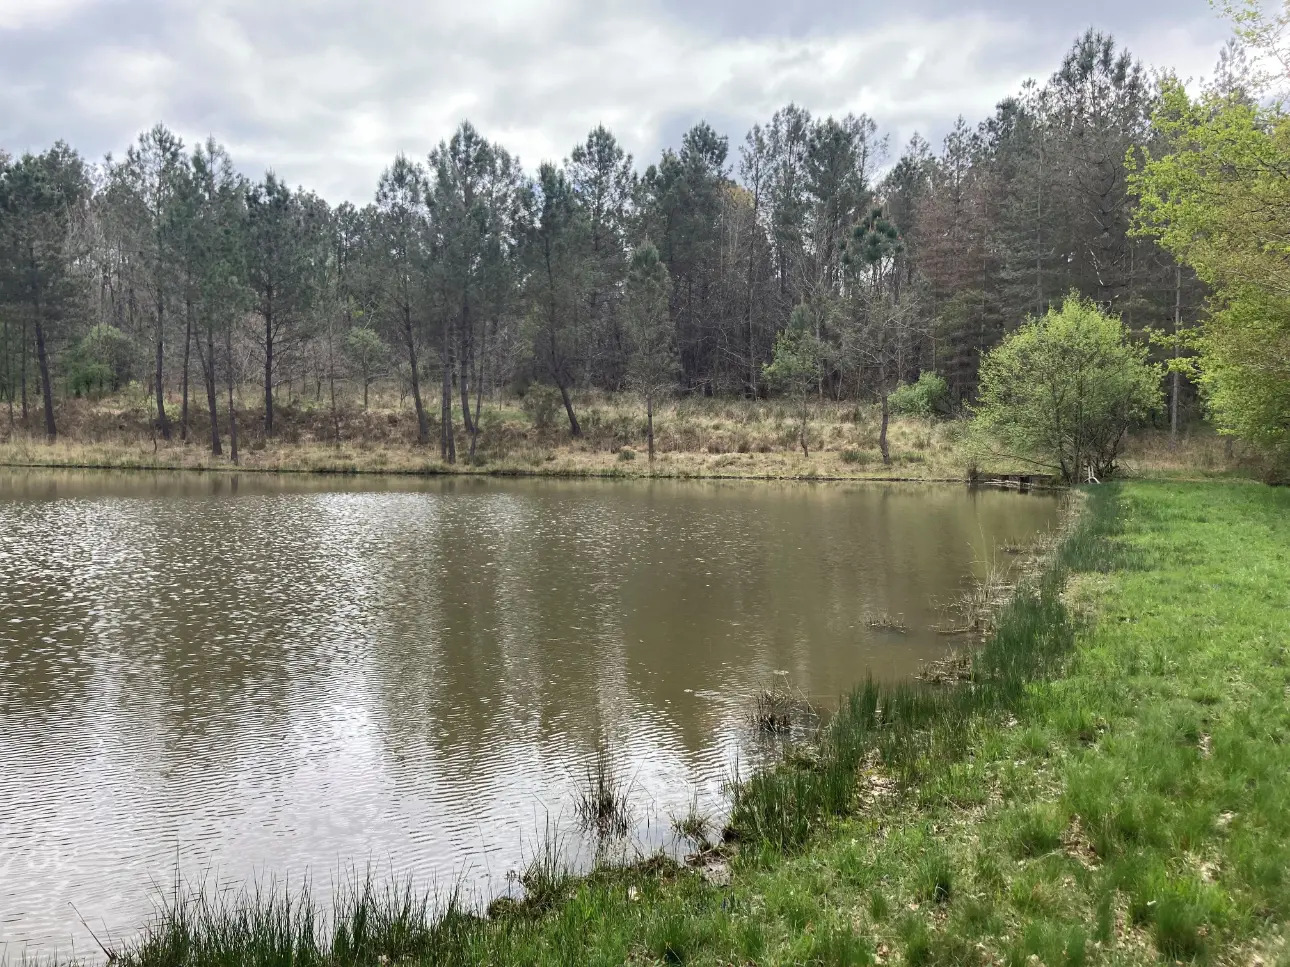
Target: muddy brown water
(246, 678)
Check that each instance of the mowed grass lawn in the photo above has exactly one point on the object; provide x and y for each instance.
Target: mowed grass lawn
(1126, 800)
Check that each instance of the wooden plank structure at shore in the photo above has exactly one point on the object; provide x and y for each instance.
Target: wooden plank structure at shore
(1023, 482)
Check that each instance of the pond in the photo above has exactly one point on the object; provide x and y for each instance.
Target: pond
(246, 678)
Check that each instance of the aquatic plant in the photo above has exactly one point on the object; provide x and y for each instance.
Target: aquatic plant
(604, 805)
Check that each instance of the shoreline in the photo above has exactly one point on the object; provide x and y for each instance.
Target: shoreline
(607, 474)
(409, 462)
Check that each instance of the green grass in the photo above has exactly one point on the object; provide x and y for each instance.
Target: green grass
(1113, 787)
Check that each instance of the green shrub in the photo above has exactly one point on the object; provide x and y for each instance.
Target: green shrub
(626, 453)
(856, 457)
(100, 362)
(927, 397)
(1065, 388)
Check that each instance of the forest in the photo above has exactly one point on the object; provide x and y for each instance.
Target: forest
(168, 273)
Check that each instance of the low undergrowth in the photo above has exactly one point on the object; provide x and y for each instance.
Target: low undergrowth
(1110, 785)
(695, 437)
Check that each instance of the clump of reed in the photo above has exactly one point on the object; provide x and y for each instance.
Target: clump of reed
(694, 825)
(779, 708)
(976, 606)
(604, 803)
(546, 873)
(270, 924)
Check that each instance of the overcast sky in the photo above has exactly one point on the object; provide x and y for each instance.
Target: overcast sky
(327, 91)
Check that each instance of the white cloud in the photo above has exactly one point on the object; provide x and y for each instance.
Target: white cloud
(20, 14)
(326, 92)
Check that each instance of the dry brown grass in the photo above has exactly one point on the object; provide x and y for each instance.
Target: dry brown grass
(695, 437)
(1199, 454)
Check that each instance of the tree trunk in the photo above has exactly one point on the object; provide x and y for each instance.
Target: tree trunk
(268, 372)
(649, 425)
(882, 437)
(232, 406)
(24, 370)
(463, 370)
(423, 428)
(188, 342)
(163, 421)
(447, 445)
(8, 370)
(750, 388)
(331, 378)
(1175, 381)
(479, 390)
(212, 400)
(46, 386)
(574, 428)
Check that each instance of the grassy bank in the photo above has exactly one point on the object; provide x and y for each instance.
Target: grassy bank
(696, 437)
(1112, 787)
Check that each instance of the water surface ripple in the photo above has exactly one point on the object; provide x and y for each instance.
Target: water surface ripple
(258, 678)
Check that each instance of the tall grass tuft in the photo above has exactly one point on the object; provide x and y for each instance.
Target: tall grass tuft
(204, 926)
(779, 708)
(604, 805)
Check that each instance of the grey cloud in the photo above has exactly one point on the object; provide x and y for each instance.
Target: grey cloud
(326, 92)
(762, 18)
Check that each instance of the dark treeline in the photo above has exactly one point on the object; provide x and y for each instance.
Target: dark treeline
(169, 269)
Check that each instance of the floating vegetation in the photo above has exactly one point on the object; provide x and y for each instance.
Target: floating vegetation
(885, 621)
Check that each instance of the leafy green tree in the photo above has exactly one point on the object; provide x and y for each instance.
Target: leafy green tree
(682, 200)
(477, 196)
(788, 138)
(401, 261)
(1101, 102)
(840, 160)
(1218, 198)
(652, 367)
(603, 181)
(1063, 390)
(794, 368)
(884, 321)
(559, 279)
(148, 188)
(41, 199)
(283, 241)
(219, 275)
